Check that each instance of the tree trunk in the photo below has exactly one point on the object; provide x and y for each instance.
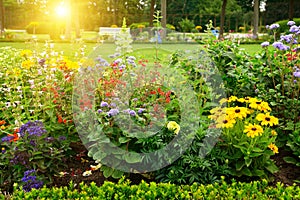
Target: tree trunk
(1, 18)
(68, 21)
(164, 13)
(256, 19)
(291, 10)
(151, 17)
(76, 18)
(221, 34)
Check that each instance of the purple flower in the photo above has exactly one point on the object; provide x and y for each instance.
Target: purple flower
(30, 181)
(265, 44)
(132, 113)
(141, 110)
(291, 23)
(33, 128)
(297, 74)
(113, 105)
(49, 139)
(104, 104)
(280, 46)
(288, 38)
(62, 138)
(42, 61)
(274, 26)
(7, 138)
(113, 112)
(99, 111)
(294, 29)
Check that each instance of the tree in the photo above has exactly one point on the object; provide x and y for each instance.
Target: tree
(222, 19)
(255, 19)
(164, 13)
(151, 17)
(291, 9)
(1, 18)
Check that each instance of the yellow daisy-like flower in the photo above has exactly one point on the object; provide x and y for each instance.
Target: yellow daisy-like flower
(216, 112)
(173, 126)
(238, 112)
(267, 119)
(273, 147)
(253, 130)
(26, 64)
(232, 98)
(223, 100)
(259, 105)
(273, 133)
(225, 122)
(26, 53)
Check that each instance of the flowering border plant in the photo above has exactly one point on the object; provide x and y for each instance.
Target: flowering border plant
(247, 135)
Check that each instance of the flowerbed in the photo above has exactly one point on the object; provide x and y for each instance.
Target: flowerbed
(216, 112)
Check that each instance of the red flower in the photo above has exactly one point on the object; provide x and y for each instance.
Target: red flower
(60, 120)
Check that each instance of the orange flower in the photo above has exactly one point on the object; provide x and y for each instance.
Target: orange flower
(15, 137)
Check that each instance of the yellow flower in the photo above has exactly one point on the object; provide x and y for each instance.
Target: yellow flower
(225, 122)
(238, 112)
(266, 119)
(253, 130)
(27, 64)
(232, 98)
(273, 147)
(259, 105)
(223, 100)
(26, 53)
(273, 133)
(173, 126)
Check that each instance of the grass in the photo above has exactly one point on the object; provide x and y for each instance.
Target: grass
(93, 50)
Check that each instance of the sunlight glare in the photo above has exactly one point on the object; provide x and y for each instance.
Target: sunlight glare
(62, 10)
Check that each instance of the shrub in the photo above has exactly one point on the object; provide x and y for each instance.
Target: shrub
(123, 190)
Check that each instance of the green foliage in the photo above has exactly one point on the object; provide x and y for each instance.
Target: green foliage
(123, 190)
(41, 152)
(284, 28)
(235, 67)
(54, 29)
(186, 25)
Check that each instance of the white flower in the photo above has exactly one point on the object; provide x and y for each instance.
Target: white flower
(87, 173)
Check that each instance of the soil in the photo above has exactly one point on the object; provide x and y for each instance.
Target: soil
(80, 162)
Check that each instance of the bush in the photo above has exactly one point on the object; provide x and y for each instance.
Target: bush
(123, 190)
(51, 28)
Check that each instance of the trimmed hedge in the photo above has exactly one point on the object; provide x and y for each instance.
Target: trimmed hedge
(123, 190)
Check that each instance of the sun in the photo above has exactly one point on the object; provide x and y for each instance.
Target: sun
(62, 10)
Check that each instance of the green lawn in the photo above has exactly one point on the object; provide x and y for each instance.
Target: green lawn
(93, 49)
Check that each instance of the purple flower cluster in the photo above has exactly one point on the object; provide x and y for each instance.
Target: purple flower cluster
(273, 26)
(104, 104)
(35, 128)
(297, 72)
(265, 44)
(281, 46)
(30, 181)
(7, 138)
(113, 112)
(291, 23)
(288, 38)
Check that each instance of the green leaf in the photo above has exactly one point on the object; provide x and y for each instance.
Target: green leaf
(271, 167)
(123, 140)
(117, 174)
(248, 161)
(239, 165)
(247, 172)
(99, 155)
(132, 157)
(290, 160)
(107, 171)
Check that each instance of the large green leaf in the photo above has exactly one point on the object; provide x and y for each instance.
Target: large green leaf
(132, 157)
